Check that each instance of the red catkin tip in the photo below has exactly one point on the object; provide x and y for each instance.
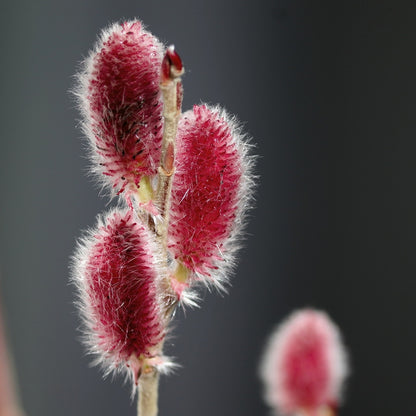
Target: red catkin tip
(304, 365)
(172, 66)
(117, 277)
(174, 58)
(209, 191)
(122, 106)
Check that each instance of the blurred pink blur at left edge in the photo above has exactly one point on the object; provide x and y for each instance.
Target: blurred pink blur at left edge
(9, 405)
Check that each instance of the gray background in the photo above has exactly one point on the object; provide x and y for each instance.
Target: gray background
(327, 89)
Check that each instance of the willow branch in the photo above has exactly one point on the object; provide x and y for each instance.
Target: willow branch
(171, 88)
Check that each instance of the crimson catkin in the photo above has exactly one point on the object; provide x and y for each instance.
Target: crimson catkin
(118, 276)
(121, 105)
(210, 192)
(305, 364)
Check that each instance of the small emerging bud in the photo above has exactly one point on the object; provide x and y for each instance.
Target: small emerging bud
(122, 106)
(118, 278)
(304, 365)
(172, 66)
(210, 193)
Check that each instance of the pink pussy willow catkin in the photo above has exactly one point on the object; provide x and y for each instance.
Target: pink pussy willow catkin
(121, 105)
(118, 274)
(210, 193)
(304, 365)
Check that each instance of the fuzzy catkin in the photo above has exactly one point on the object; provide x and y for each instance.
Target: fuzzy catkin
(118, 278)
(305, 364)
(121, 104)
(210, 192)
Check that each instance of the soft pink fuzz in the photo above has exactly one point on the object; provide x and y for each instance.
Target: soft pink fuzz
(305, 364)
(117, 277)
(206, 188)
(122, 105)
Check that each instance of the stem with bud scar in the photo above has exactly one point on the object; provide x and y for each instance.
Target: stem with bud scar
(171, 88)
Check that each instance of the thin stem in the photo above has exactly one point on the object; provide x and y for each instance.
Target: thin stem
(166, 169)
(148, 393)
(328, 411)
(170, 85)
(322, 411)
(171, 88)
